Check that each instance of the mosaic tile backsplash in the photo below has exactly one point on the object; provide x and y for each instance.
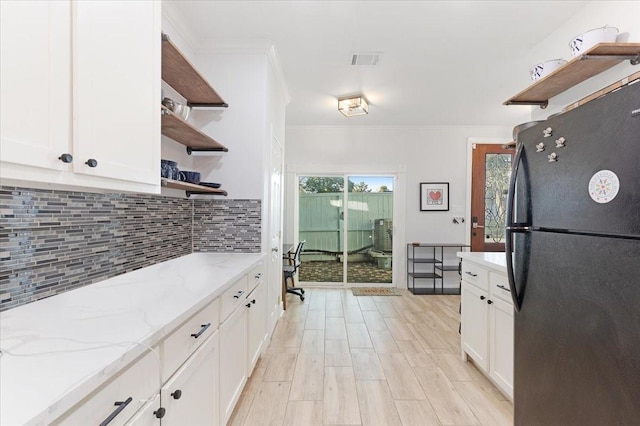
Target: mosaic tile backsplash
(55, 241)
(230, 226)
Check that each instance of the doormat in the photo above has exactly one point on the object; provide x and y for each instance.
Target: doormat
(375, 291)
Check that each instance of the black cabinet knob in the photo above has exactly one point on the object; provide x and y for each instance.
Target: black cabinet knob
(66, 158)
(248, 305)
(91, 162)
(160, 412)
(489, 301)
(177, 394)
(482, 297)
(253, 301)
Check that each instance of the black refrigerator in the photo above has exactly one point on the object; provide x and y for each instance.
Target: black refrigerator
(573, 261)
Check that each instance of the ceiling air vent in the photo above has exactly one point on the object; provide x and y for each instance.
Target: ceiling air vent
(366, 59)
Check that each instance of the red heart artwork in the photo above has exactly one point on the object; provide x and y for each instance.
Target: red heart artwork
(435, 195)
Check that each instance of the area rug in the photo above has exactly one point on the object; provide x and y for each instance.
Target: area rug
(375, 291)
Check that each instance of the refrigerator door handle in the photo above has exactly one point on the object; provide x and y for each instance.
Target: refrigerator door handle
(512, 228)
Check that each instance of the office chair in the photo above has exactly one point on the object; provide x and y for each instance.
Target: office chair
(291, 269)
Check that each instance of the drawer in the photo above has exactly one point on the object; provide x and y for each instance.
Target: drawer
(132, 387)
(499, 286)
(475, 274)
(180, 344)
(233, 297)
(255, 276)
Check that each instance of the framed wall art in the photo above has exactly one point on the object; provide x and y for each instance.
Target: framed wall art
(434, 196)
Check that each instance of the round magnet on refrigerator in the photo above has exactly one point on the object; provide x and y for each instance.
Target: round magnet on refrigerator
(604, 186)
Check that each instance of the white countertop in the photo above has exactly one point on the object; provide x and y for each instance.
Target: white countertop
(494, 260)
(57, 350)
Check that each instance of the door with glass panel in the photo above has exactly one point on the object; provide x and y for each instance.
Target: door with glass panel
(347, 223)
(491, 168)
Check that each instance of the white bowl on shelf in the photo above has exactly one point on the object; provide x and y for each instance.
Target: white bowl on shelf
(545, 68)
(586, 41)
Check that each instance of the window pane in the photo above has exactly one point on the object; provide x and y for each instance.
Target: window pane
(497, 172)
(369, 229)
(321, 226)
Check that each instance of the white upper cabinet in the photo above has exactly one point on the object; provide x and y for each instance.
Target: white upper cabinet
(81, 78)
(35, 83)
(116, 87)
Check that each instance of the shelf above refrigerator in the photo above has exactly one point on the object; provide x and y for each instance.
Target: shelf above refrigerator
(592, 62)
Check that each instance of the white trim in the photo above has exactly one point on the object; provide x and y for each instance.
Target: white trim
(332, 169)
(470, 142)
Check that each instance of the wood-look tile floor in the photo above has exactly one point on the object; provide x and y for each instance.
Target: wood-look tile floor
(338, 359)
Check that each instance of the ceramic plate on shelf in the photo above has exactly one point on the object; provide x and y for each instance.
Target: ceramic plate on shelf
(210, 184)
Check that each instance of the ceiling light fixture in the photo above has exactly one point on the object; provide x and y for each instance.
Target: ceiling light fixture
(356, 105)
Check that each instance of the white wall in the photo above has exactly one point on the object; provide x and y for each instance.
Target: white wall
(240, 79)
(418, 154)
(172, 150)
(624, 15)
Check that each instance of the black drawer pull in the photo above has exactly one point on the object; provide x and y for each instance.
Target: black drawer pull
(121, 406)
(489, 301)
(253, 301)
(482, 297)
(248, 305)
(202, 330)
(471, 273)
(258, 275)
(240, 293)
(504, 288)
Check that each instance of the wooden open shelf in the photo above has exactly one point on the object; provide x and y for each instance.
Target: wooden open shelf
(180, 74)
(185, 133)
(592, 62)
(191, 188)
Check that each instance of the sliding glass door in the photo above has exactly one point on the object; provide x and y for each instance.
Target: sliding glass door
(347, 223)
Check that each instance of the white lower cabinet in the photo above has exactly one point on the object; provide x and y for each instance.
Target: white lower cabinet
(233, 360)
(475, 325)
(146, 416)
(487, 324)
(190, 397)
(120, 398)
(256, 325)
(501, 345)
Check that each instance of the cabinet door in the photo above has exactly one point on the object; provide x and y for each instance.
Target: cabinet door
(35, 83)
(120, 398)
(233, 360)
(191, 395)
(501, 345)
(475, 338)
(146, 416)
(257, 325)
(116, 93)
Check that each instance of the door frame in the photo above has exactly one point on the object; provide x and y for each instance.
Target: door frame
(470, 143)
(275, 304)
(291, 213)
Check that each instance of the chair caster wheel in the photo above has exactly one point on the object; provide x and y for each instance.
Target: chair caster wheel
(302, 298)
(302, 291)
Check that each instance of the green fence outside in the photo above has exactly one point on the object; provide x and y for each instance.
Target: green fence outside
(322, 216)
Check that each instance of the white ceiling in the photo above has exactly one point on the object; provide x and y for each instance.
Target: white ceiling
(443, 63)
